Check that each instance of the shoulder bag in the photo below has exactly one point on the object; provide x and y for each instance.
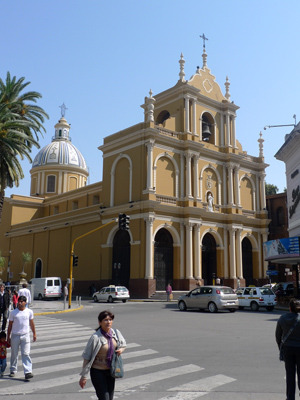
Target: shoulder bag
(116, 368)
(281, 356)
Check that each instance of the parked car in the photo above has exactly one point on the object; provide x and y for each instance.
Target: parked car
(284, 289)
(256, 297)
(213, 298)
(112, 293)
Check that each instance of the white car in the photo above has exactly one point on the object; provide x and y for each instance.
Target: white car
(112, 293)
(256, 297)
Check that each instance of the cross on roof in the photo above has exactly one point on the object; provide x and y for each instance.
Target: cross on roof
(204, 38)
(63, 110)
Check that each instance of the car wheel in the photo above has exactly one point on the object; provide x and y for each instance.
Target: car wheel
(241, 307)
(212, 307)
(124, 301)
(270, 308)
(254, 306)
(182, 306)
(110, 299)
(232, 310)
(40, 297)
(95, 299)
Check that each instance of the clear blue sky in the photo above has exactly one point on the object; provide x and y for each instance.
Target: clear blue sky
(101, 58)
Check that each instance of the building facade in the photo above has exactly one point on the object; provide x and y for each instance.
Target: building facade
(195, 198)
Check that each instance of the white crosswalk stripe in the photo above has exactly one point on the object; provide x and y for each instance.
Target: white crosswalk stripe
(56, 366)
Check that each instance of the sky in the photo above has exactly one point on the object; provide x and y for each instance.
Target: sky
(100, 58)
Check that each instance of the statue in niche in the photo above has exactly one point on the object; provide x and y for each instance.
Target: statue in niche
(210, 202)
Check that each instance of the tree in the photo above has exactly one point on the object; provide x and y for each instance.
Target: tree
(20, 125)
(271, 189)
(26, 258)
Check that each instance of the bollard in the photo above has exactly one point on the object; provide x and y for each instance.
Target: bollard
(80, 301)
(77, 300)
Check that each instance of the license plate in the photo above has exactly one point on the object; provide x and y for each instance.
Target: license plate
(269, 304)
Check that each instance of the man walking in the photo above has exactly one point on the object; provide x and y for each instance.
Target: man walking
(20, 323)
(4, 306)
(25, 292)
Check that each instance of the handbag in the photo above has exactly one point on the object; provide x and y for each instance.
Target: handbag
(116, 368)
(281, 355)
(171, 296)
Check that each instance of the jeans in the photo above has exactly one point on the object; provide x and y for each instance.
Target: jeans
(4, 314)
(292, 363)
(24, 342)
(103, 383)
(2, 365)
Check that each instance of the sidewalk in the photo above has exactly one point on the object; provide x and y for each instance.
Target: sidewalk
(44, 307)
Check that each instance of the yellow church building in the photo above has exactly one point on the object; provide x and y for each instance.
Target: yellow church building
(195, 198)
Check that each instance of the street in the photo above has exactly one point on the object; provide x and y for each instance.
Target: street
(171, 355)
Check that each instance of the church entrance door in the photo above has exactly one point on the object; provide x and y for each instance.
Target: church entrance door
(163, 259)
(121, 259)
(247, 261)
(209, 259)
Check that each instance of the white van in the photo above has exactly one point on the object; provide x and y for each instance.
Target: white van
(46, 288)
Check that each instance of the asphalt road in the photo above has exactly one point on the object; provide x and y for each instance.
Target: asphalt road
(230, 355)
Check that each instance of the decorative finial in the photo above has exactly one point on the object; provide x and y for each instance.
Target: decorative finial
(181, 73)
(204, 55)
(63, 110)
(204, 38)
(227, 84)
(149, 111)
(261, 146)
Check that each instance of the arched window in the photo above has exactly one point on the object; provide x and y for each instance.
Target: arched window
(162, 117)
(280, 216)
(207, 128)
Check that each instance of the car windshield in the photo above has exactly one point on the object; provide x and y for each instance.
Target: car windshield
(226, 290)
(121, 289)
(266, 291)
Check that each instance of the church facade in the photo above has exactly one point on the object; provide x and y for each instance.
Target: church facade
(195, 198)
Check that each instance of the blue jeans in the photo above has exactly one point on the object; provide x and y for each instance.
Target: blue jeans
(103, 383)
(24, 342)
(2, 365)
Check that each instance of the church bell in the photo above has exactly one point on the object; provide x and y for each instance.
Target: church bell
(205, 131)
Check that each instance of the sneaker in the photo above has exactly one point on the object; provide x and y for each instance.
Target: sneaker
(29, 375)
(1, 374)
(12, 374)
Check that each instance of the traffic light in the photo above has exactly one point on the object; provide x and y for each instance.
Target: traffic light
(75, 260)
(124, 222)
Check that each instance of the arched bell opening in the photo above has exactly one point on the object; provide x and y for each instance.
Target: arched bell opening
(207, 128)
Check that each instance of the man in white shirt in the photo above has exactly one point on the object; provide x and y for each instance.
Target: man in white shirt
(25, 292)
(18, 334)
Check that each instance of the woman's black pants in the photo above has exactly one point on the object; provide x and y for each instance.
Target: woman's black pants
(103, 383)
(292, 364)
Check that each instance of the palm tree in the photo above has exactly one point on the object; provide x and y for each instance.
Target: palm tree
(26, 258)
(2, 264)
(20, 124)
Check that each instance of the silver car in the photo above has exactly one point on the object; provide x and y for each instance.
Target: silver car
(213, 298)
(112, 293)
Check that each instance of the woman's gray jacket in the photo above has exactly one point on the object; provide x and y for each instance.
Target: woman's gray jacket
(96, 341)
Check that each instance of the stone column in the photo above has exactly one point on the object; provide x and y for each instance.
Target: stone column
(222, 141)
(187, 114)
(197, 252)
(149, 273)
(224, 184)
(237, 186)
(194, 117)
(189, 250)
(196, 177)
(188, 192)
(150, 146)
(239, 259)
(262, 190)
(233, 132)
(181, 251)
(112, 188)
(181, 175)
(257, 194)
(227, 129)
(226, 272)
(232, 269)
(230, 184)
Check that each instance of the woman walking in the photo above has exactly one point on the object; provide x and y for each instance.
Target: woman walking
(288, 336)
(98, 354)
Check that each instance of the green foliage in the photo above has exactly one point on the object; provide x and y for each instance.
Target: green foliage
(271, 189)
(26, 258)
(2, 261)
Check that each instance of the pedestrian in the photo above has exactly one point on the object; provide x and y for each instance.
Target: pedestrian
(18, 335)
(98, 354)
(15, 299)
(66, 291)
(169, 292)
(3, 352)
(4, 305)
(288, 336)
(25, 292)
(218, 281)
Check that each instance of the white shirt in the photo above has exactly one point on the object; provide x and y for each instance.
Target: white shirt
(25, 292)
(20, 320)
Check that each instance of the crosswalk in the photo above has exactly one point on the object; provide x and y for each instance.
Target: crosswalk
(57, 362)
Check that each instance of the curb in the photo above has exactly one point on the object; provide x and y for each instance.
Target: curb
(58, 312)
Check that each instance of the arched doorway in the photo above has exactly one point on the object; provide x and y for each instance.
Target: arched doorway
(121, 259)
(38, 268)
(163, 259)
(209, 259)
(247, 261)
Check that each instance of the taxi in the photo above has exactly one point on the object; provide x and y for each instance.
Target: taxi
(256, 297)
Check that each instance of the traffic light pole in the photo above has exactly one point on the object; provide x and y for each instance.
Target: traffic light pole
(72, 253)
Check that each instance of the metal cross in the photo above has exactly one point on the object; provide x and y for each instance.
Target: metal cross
(63, 110)
(204, 38)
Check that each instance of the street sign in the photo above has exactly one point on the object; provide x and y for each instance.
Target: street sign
(272, 272)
